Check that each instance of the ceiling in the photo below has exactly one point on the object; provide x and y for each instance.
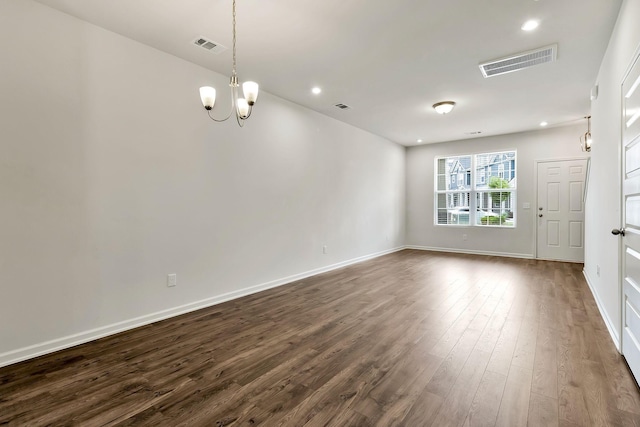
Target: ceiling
(390, 61)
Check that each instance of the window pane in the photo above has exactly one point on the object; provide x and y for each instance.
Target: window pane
(453, 208)
(454, 173)
(495, 208)
(488, 179)
(496, 170)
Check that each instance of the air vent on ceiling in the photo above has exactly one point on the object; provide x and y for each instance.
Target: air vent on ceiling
(519, 61)
(342, 106)
(206, 44)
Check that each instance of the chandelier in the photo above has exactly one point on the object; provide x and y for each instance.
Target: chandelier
(241, 106)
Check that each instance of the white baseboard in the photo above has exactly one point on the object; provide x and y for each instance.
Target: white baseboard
(47, 347)
(603, 313)
(470, 252)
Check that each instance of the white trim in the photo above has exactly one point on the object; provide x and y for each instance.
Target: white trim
(603, 313)
(562, 260)
(470, 252)
(51, 346)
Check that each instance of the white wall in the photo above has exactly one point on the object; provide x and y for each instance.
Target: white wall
(555, 143)
(112, 176)
(603, 199)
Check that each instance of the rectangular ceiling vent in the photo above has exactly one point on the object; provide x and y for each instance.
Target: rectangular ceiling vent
(206, 44)
(342, 106)
(519, 61)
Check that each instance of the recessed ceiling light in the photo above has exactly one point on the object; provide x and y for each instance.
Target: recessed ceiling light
(444, 107)
(530, 25)
(543, 124)
(419, 141)
(316, 90)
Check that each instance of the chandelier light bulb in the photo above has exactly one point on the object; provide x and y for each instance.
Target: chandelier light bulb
(250, 90)
(243, 108)
(208, 97)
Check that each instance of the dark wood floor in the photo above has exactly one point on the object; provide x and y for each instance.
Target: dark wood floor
(412, 339)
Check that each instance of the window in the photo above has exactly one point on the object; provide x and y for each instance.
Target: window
(476, 190)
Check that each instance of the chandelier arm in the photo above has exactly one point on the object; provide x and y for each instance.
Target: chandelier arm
(218, 120)
(233, 105)
(228, 115)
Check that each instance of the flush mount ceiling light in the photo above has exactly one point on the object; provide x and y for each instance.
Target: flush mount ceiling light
(241, 106)
(585, 140)
(316, 91)
(530, 25)
(444, 107)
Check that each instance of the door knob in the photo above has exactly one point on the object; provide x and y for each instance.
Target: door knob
(616, 231)
(540, 215)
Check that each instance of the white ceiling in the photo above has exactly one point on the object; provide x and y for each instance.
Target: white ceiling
(388, 60)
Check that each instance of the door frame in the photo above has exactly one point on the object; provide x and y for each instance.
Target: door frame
(536, 163)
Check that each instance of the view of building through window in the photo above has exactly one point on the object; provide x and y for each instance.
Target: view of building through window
(476, 189)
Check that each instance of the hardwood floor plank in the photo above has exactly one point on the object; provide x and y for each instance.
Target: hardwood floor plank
(486, 402)
(543, 411)
(412, 338)
(505, 346)
(525, 349)
(514, 406)
(457, 404)
(545, 367)
(571, 401)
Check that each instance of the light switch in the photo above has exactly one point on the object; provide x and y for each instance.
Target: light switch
(526, 205)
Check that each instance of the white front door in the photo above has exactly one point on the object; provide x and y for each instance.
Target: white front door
(560, 210)
(630, 232)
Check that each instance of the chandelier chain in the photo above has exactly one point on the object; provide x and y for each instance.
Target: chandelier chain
(234, 38)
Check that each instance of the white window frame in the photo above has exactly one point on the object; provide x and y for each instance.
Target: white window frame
(474, 191)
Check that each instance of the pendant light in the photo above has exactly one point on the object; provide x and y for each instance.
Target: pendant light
(242, 107)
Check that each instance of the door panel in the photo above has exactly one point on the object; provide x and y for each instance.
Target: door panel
(553, 197)
(561, 210)
(553, 233)
(575, 234)
(630, 241)
(576, 192)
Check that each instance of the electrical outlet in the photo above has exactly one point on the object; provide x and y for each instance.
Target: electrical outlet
(324, 249)
(464, 237)
(172, 279)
